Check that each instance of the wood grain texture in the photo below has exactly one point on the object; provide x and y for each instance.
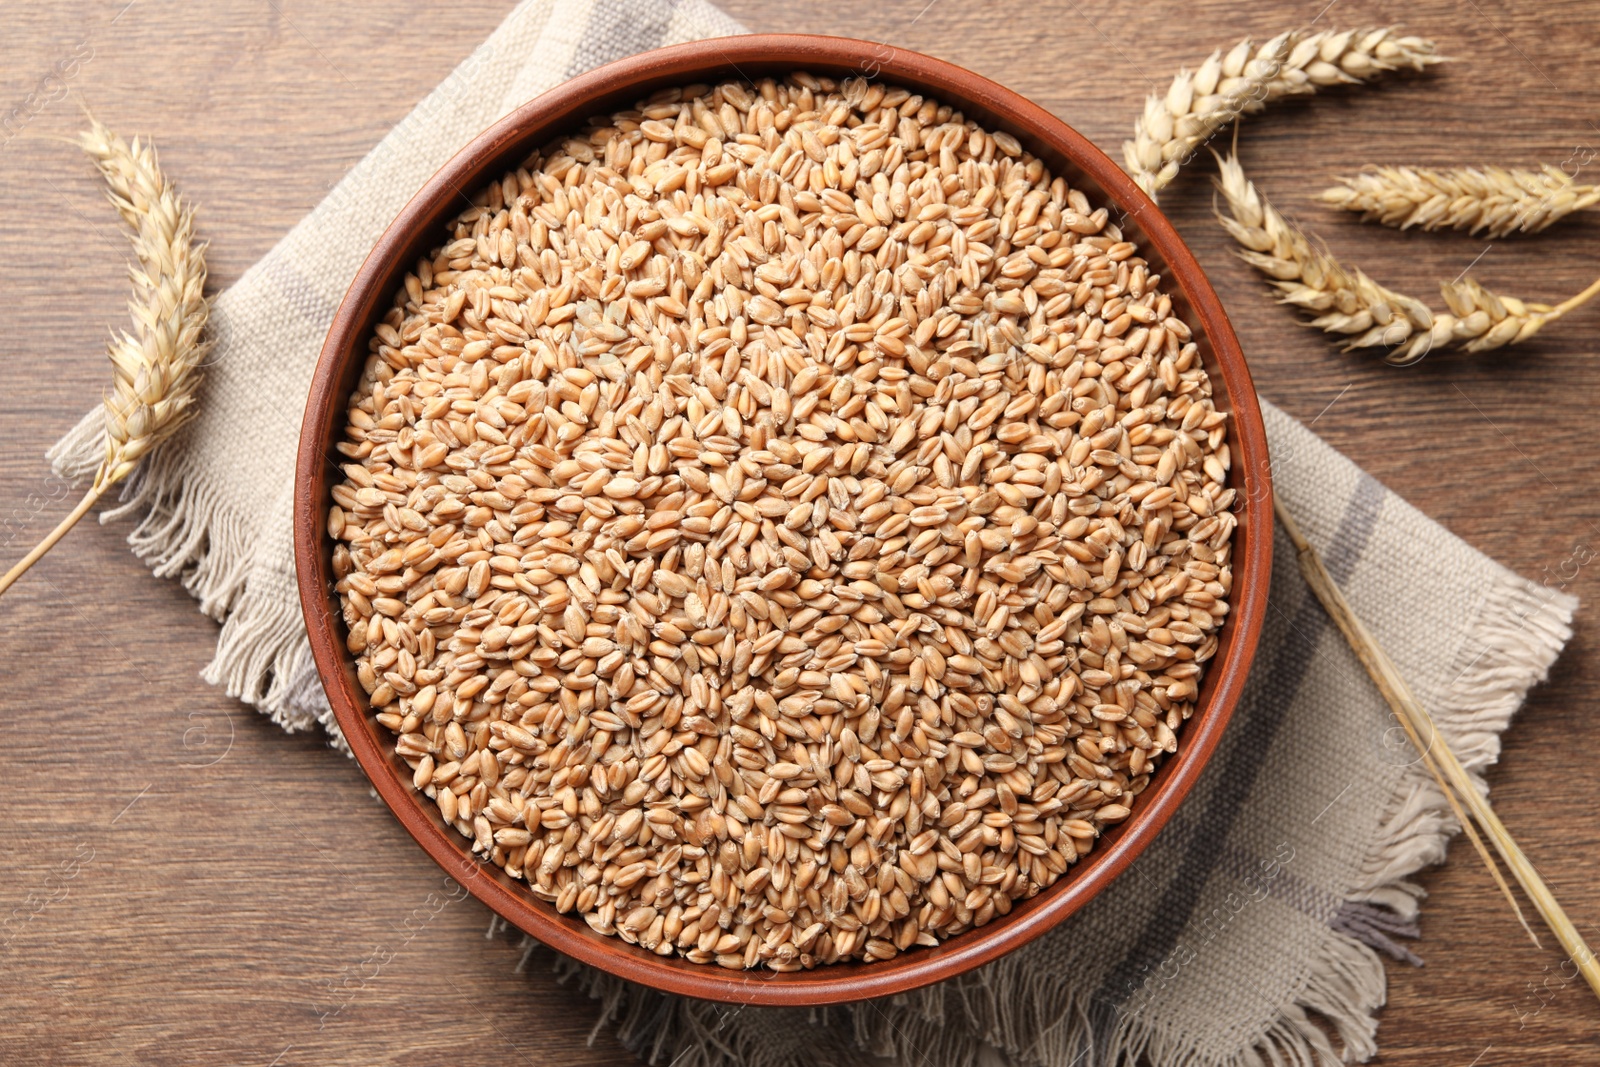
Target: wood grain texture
(185, 885)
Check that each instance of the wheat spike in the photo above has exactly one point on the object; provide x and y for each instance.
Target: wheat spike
(1344, 301)
(156, 365)
(1246, 77)
(1497, 200)
(1479, 319)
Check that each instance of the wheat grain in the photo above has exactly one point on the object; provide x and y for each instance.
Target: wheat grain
(1496, 200)
(156, 366)
(1246, 77)
(783, 525)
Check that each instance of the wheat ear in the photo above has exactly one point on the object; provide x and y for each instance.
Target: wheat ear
(1248, 76)
(1484, 320)
(1446, 768)
(156, 366)
(1345, 301)
(1496, 200)
(1479, 319)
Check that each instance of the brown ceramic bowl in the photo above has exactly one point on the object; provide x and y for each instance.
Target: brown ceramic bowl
(419, 229)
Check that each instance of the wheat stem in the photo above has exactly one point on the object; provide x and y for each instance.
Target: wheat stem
(1321, 583)
(22, 565)
(1448, 769)
(1467, 827)
(1574, 301)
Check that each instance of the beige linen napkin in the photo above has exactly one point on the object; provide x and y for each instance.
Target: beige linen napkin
(1248, 929)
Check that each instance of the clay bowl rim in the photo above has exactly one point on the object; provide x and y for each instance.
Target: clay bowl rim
(416, 230)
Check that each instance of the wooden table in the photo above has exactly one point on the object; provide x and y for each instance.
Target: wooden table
(187, 885)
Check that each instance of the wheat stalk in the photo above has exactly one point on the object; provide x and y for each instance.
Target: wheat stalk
(1493, 199)
(1245, 78)
(1346, 301)
(1446, 768)
(156, 366)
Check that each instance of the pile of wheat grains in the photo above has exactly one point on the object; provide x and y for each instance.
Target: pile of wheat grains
(784, 524)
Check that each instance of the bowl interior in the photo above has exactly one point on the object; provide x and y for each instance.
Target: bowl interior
(419, 229)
